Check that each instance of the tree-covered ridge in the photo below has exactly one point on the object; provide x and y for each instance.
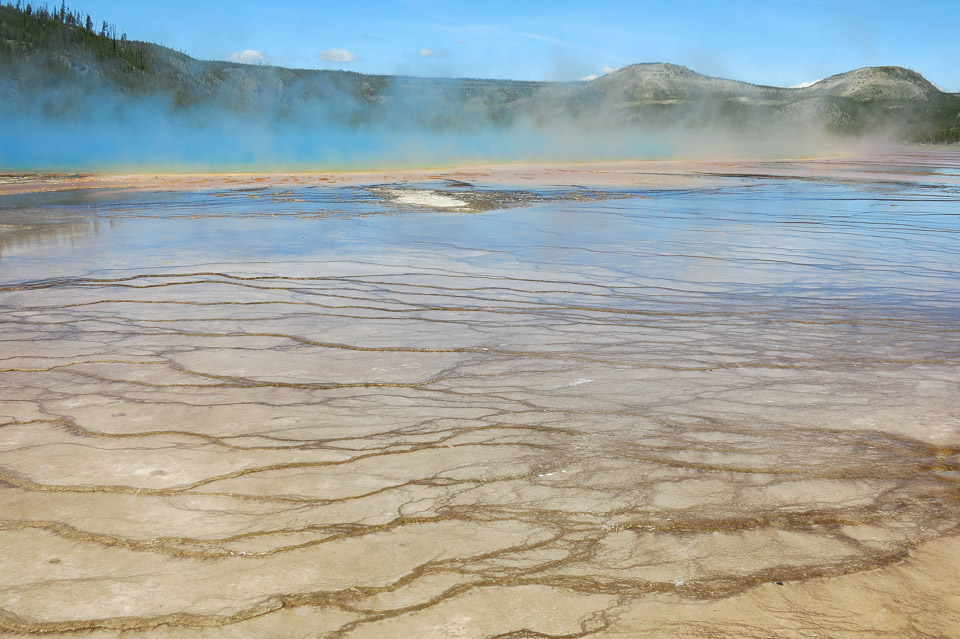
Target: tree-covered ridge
(28, 30)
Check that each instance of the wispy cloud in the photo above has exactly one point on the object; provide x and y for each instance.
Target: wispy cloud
(567, 44)
(430, 53)
(337, 55)
(587, 78)
(486, 31)
(247, 56)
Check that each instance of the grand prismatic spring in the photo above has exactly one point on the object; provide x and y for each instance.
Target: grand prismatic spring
(624, 400)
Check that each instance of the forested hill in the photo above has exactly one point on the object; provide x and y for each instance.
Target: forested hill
(65, 33)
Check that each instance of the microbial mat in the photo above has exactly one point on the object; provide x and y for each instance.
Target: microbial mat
(630, 403)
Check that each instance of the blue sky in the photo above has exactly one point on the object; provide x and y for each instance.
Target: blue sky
(776, 42)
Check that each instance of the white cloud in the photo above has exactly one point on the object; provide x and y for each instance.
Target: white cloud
(804, 85)
(426, 53)
(248, 56)
(587, 78)
(606, 70)
(336, 55)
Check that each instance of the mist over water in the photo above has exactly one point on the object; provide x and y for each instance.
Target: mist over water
(261, 119)
(149, 137)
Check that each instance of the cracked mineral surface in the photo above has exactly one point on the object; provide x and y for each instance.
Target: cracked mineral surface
(607, 402)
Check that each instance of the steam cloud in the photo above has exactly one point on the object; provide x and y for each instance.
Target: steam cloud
(248, 117)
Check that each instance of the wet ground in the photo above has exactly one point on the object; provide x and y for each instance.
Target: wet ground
(450, 408)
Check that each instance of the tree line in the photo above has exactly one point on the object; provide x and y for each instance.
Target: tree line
(35, 27)
(69, 17)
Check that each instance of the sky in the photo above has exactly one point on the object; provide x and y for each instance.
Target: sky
(770, 42)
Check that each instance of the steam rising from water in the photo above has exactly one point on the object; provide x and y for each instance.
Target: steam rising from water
(81, 120)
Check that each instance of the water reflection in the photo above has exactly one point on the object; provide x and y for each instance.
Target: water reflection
(45, 239)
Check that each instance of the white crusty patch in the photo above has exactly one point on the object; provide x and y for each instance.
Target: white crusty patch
(422, 197)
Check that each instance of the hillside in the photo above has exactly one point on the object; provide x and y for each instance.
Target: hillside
(855, 102)
(59, 67)
(876, 83)
(37, 52)
(667, 83)
(50, 36)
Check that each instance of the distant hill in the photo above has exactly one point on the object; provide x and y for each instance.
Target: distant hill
(890, 84)
(64, 67)
(657, 94)
(659, 82)
(855, 102)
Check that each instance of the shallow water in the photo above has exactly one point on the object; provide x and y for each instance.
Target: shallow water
(326, 412)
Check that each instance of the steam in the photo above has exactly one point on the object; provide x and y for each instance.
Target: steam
(593, 76)
(262, 118)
